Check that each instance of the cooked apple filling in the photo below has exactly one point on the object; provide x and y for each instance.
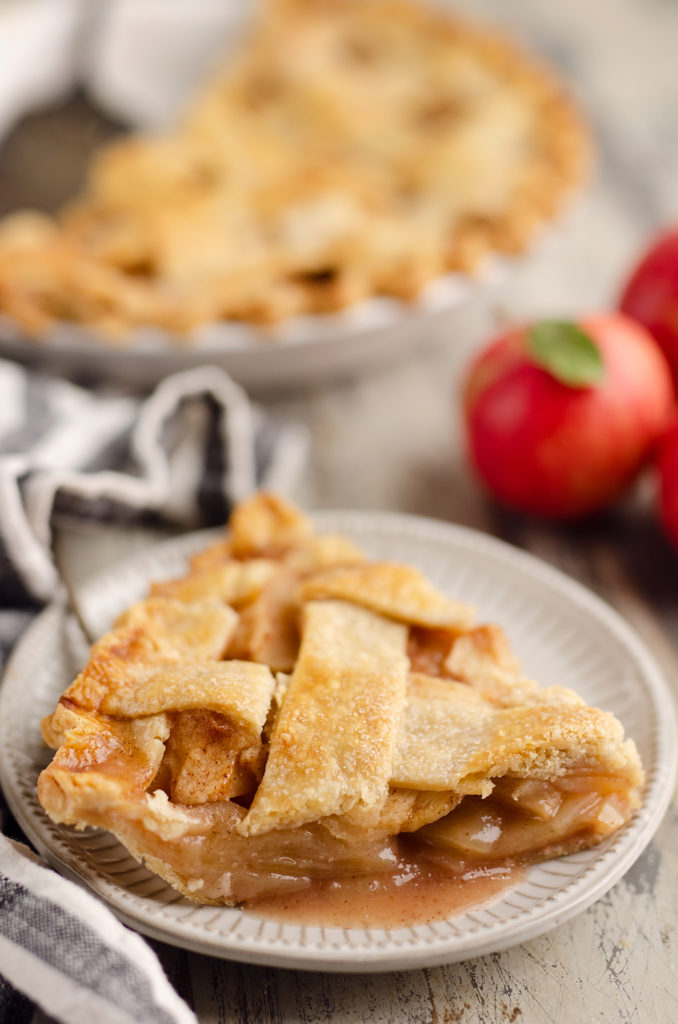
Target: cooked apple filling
(532, 819)
(289, 711)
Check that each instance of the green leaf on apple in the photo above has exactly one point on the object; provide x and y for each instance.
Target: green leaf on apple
(566, 352)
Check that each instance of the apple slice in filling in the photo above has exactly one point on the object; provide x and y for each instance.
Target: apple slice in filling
(532, 819)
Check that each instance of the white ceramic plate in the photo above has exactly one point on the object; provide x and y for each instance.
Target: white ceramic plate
(300, 351)
(564, 635)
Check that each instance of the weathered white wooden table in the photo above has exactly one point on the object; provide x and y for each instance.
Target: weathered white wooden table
(393, 441)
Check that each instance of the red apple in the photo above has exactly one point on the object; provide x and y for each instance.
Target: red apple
(651, 296)
(561, 416)
(667, 464)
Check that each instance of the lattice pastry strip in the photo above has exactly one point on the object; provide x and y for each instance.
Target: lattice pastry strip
(398, 591)
(451, 738)
(238, 690)
(156, 632)
(333, 740)
(234, 583)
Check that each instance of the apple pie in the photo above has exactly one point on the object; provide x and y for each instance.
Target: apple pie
(289, 711)
(350, 148)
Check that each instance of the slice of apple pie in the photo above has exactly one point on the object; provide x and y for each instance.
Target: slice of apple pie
(288, 711)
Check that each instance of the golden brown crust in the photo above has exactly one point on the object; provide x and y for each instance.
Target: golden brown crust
(349, 149)
(153, 634)
(232, 583)
(333, 741)
(396, 719)
(458, 741)
(397, 591)
(269, 525)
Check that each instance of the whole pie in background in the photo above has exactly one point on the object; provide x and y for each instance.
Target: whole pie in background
(349, 149)
(290, 714)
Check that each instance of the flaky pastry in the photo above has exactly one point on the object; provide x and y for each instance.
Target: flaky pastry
(289, 711)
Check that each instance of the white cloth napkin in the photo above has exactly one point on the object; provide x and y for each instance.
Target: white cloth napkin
(145, 59)
(68, 953)
(39, 47)
(185, 455)
(140, 60)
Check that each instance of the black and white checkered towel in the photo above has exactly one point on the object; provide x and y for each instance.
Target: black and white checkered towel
(183, 455)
